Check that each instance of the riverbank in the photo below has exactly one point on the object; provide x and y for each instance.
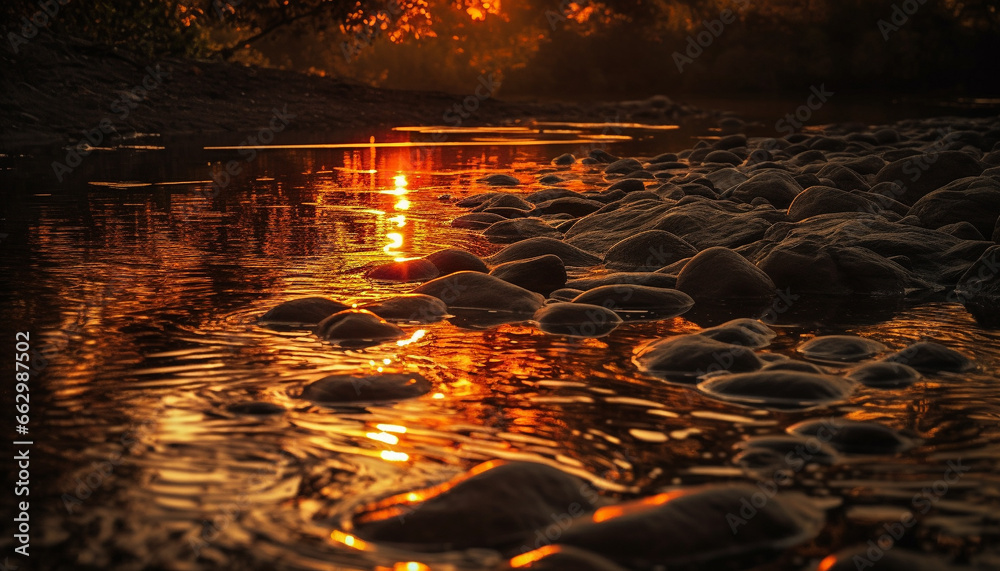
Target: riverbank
(56, 92)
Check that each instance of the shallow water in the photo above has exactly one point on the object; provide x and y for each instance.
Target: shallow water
(143, 296)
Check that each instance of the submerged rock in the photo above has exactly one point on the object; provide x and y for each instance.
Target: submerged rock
(884, 375)
(695, 355)
(476, 290)
(626, 297)
(500, 180)
(451, 260)
(543, 274)
(840, 348)
(256, 408)
(932, 357)
(854, 437)
(719, 274)
(357, 326)
(419, 270)
(495, 505)
(477, 220)
(778, 389)
(979, 288)
(577, 319)
(745, 332)
(648, 251)
(534, 247)
(336, 389)
(509, 231)
(306, 311)
(702, 525)
(790, 365)
(409, 307)
(784, 452)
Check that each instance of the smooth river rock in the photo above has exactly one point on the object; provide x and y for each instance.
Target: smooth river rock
(543, 274)
(840, 348)
(476, 290)
(932, 357)
(778, 389)
(629, 298)
(451, 260)
(419, 270)
(854, 437)
(357, 326)
(884, 375)
(719, 274)
(648, 251)
(409, 307)
(336, 389)
(577, 319)
(306, 311)
(695, 355)
(534, 247)
(979, 288)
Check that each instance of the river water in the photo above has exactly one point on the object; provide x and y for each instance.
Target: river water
(142, 296)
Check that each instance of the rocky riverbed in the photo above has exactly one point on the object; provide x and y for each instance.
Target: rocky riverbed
(731, 234)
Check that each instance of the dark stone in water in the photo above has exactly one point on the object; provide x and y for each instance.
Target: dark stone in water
(627, 297)
(572, 205)
(550, 194)
(744, 332)
(840, 348)
(507, 213)
(884, 375)
(257, 408)
(817, 200)
(648, 251)
(698, 525)
(854, 437)
(936, 170)
(777, 187)
(972, 200)
(651, 279)
(894, 558)
(784, 451)
(623, 166)
(476, 290)
(932, 357)
(577, 319)
(564, 159)
(719, 274)
(833, 270)
(409, 307)
(790, 365)
(603, 156)
(543, 274)
(419, 270)
(695, 355)
(509, 231)
(730, 142)
(555, 557)
(843, 177)
(496, 505)
(337, 389)
(778, 389)
(627, 185)
(451, 260)
(306, 311)
(500, 180)
(551, 179)
(565, 294)
(357, 326)
(477, 220)
(476, 200)
(979, 288)
(534, 247)
(504, 200)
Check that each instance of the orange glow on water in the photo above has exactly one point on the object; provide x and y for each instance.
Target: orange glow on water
(391, 428)
(392, 456)
(611, 512)
(526, 559)
(383, 437)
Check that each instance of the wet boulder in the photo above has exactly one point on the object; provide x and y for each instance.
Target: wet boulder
(623, 166)
(807, 266)
(694, 356)
(784, 452)
(792, 365)
(719, 274)
(577, 319)
(843, 177)
(256, 408)
(962, 230)
(884, 375)
(744, 332)
(550, 194)
(509, 231)
(776, 187)
(451, 260)
(564, 159)
(778, 389)
(419, 270)
(338, 389)
(572, 205)
(651, 279)
(476, 290)
(648, 251)
(410, 307)
(306, 311)
(840, 348)
(534, 247)
(817, 200)
(477, 220)
(979, 288)
(496, 505)
(700, 525)
(932, 357)
(357, 326)
(975, 200)
(854, 437)
(924, 173)
(543, 274)
(625, 298)
(500, 180)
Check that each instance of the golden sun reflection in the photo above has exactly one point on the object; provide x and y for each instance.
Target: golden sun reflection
(400, 180)
(391, 428)
(349, 540)
(383, 437)
(393, 456)
(403, 204)
(417, 336)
